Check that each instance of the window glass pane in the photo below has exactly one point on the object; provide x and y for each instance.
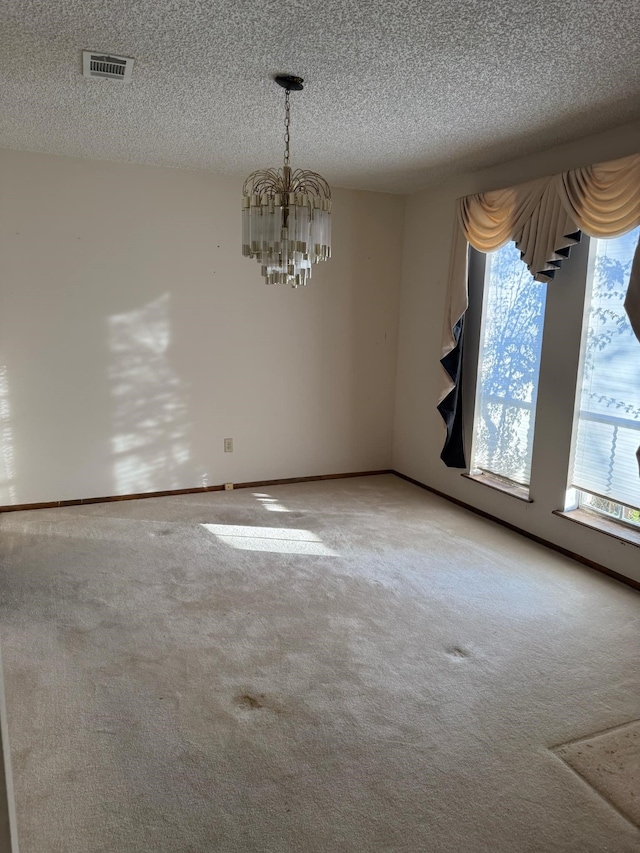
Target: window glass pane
(604, 506)
(608, 427)
(508, 367)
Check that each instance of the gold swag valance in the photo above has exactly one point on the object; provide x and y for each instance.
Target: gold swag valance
(544, 217)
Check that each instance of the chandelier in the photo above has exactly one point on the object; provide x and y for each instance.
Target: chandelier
(286, 214)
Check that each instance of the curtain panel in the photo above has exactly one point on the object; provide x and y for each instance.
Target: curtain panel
(545, 218)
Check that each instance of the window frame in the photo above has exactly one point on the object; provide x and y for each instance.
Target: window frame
(564, 324)
(563, 318)
(478, 272)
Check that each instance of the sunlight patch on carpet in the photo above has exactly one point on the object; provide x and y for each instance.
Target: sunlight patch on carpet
(275, 540)
(269, 503)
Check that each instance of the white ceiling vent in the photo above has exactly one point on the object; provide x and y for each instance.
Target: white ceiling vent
(96, 64)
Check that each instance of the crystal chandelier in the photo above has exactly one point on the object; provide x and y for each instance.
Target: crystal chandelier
(286, 214)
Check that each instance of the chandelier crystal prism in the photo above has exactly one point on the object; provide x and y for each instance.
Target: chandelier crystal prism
(286, 214)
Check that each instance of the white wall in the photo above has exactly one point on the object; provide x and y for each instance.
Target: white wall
(134, 336)
(418, 428)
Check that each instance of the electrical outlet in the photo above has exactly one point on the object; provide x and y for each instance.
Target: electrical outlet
(228, 445)
(228, 487)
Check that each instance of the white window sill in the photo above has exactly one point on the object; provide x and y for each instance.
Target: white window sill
(601, 523)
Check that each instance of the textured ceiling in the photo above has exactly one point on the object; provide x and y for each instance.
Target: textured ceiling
(398, 94)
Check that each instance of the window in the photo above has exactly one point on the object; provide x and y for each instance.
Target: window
(558, 394)
(608, 413)
(508, 368)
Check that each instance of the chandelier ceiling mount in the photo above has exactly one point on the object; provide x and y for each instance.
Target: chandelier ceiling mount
(289, 82)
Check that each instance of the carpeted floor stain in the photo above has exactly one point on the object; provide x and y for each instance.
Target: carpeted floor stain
(457, 653)
(395, 690)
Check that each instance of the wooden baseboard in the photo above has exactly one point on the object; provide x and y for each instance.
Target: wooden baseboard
(254, 484)
(580, 559)
(285, 482)
(196, 490)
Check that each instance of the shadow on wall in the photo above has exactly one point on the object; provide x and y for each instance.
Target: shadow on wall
(151, 428)
(7, 460)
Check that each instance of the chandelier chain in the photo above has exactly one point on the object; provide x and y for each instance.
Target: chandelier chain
(287, 124)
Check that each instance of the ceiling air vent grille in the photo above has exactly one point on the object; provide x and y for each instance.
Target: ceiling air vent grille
(103, 65)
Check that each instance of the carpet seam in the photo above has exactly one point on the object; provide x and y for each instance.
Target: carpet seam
(594, 735)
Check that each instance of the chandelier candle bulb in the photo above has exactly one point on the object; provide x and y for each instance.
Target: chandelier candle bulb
(286, 215)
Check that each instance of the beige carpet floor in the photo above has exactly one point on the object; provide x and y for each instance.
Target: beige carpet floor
(351, 665)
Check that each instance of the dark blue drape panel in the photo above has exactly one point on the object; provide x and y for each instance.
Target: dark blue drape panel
(451, 407)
